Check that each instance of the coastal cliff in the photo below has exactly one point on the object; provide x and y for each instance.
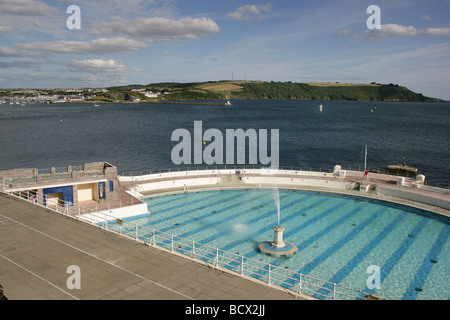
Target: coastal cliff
(219, 90)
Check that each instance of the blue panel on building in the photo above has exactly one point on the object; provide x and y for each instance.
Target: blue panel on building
(111, 186)
(67, 194)
(101, 190)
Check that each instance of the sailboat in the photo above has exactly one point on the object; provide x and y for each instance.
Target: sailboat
(228, 103)
(321, 108)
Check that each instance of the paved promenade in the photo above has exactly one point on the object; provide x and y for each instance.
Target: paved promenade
(37, 246)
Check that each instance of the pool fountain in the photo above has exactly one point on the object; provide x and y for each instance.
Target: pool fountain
(278, 247)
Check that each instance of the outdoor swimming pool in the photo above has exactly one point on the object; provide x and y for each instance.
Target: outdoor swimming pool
(338, 237)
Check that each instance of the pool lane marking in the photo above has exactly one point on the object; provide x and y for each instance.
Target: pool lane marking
(319, 234)
(114, 225)
(293, 215)
(285, 219)
(167, 229)
(339, 244)
(364, 252)
(256, 219)
(425, 269)
(176, 206)
(308, 223)
(255, 252)
(225, 219)
(39, 277)
(93, 256)
(392, 261)
(180, 214)
(186, 204)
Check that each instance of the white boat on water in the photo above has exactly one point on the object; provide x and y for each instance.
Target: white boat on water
(96, 105)
(228, 103)
(321, 108)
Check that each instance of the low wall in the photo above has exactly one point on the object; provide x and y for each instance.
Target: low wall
(197, 173)
(177, 184)
(174, 174)
(212, 178)
(118, 213)
(296, 182)
(415, 196)
(387, 187)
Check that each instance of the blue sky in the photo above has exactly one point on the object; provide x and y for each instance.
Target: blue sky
(139, 42)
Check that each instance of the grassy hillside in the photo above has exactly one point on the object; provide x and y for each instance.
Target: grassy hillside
(283, 90)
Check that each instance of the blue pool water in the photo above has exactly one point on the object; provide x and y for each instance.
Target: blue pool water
(338, 237)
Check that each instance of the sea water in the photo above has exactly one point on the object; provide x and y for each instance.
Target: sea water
(137, 137)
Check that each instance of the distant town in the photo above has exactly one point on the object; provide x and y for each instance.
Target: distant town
(75, 95)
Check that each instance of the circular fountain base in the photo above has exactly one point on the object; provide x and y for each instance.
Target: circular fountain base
(269, 248)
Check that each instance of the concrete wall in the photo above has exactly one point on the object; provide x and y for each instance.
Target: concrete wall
(181, 179)
(175, 174)
(119, 213)
(412, 196)
(180, 174)
(296, 182)
(18, 173)
(86, 192)
(161, 185)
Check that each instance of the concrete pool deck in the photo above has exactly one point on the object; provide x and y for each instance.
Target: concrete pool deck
(37, 246)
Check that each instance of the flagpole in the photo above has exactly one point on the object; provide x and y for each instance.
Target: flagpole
(365, 160)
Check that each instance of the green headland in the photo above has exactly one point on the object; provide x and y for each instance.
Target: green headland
(219, 90)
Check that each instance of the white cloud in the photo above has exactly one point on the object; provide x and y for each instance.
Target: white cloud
(249, 12)
(393, 30)
(13, 53)
(436, 31)
(27, 7)
(99, 72)
(4, 27)
(128, 9)
(157, 28)
(97, 46)
(96, 66)
(345, 32)
(396, 30)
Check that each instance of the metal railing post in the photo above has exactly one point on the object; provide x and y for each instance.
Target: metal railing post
(300, 285)
(334, 291)
(217, 258)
